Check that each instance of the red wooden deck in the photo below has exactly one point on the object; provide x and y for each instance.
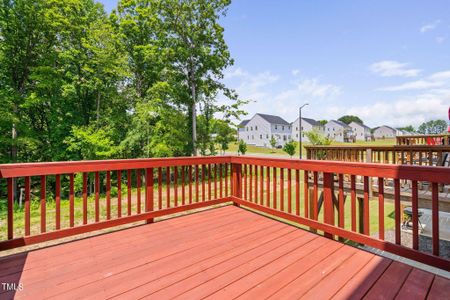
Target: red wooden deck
(221, 253)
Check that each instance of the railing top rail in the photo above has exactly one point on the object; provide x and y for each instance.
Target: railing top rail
(68, 167)
(423, 135)
(411, 172)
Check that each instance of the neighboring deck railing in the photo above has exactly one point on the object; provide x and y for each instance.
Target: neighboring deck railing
(411, 155)
(424, 139)
(290, 189)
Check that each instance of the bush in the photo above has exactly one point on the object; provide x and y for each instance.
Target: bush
(289, 148)
(242, 149)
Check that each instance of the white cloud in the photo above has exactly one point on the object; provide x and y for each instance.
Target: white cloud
(436, 80)
(295, 72)
(405, 111)
(390, 68)
(440, 39)
(429, 26)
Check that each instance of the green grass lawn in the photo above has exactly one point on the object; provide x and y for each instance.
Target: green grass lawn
(233, 147)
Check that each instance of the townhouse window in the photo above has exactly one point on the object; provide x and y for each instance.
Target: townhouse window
(302, 127)
(248, 137)
(296, 135)
(253, 137)
(284, 137)
(276, 127)
(267, 136)
(303, 135)
(282, 127)
(256, 127)
(246, 128)
(251, 128)
(260, 136)
(296, 128)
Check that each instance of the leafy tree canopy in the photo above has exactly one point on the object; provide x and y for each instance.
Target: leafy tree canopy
(347, 119)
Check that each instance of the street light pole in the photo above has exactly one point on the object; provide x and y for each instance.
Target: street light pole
(300, 129)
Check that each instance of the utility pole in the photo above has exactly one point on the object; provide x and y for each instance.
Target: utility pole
(300, 129)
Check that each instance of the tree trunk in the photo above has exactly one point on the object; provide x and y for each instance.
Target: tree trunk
(194, 119)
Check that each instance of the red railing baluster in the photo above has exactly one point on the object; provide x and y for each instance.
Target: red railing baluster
(71, 199)
(415, 215)
(197, 195)
(119, 194)
(203, 183)
(160, 188)
(129, 192)
(261, 185)
(215, 181)
(27, 204)
(274, 183)
(84, 200)
(97, 197)
(190, 184)
(268, 186)
(183, 193)
(289, 191)
(221, 180)
(138, 189)
(305, 194)
(108, 195)
(341, 201)
(149, 192)
(397, 211)
(435, 217)
(381, 208)
(10, 183)
(175, 185)
(244, 178)
(209, 181)
(353, 200)
(43, 204)
(256, 184)
(316, 196)
(366, 206)
(282, 189)
(226, 179)
(328, 213)
(250, 190)
(168, 187)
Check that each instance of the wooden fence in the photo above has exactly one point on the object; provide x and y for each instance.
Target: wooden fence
(423, 139)
(278, 187)
(411, 155)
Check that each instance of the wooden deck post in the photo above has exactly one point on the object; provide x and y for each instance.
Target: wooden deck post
(328, 200)
(237, 182)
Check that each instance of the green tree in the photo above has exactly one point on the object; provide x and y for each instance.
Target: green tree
(224, 134)
(273, 142)
(242, 147)
(433, 127)
(347, 119)
(289, 148)
(408, 128)
(200, 53)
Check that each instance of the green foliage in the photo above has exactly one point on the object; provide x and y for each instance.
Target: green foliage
(242, 147)
(432, 127)
(408, 128)
(289, 148)
(273, 142)
(349, 118)
(317, 138)
(322, 122)
(77, 83)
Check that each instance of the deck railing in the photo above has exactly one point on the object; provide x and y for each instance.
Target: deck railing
(320, 195)
(411, 155)
(424, 139)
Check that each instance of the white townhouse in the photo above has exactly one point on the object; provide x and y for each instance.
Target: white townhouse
(400, 132)
(384, 132)
(360, 131)
(259, 130)
(307, 125)
(338, 131)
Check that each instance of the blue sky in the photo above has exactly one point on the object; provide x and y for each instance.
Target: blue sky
(385, 61)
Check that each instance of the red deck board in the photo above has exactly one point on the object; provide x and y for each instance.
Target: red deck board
(221, 253)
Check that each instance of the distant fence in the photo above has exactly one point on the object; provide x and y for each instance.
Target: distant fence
(404, 155)
(430, 139)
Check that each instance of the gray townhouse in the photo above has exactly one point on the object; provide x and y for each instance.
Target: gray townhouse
(360, 132)
(338, 131)
(260, 128)
(307, 125)
(384, 132)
